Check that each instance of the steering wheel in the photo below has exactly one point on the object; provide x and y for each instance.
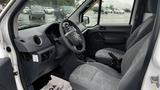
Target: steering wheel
(72, 36)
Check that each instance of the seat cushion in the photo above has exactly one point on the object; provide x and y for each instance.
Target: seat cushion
(91, 77)
(106, 69)
(102, 55)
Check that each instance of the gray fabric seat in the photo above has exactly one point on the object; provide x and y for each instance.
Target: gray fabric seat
(96, 76)
(102, 55)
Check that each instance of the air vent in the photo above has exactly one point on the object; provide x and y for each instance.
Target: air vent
(37, 40)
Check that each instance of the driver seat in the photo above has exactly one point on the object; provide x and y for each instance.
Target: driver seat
(96, 76)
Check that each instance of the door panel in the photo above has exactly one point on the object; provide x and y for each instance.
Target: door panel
(100, 37)
(114, 34)
(7, 81)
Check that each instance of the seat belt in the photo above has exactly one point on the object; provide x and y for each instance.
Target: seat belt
(116, 62)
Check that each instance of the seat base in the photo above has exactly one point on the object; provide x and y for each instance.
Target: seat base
(94, 76)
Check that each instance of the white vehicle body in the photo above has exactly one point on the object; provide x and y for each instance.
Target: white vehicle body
(121, 11)
(48, 10)
(108, 11)
(26, 10)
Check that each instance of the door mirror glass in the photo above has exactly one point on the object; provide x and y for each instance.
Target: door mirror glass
(86, 20)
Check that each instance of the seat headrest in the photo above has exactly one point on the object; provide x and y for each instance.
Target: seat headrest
(152, 6)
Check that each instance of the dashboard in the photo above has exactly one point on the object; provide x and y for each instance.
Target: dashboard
(38, 50)
(37, 38)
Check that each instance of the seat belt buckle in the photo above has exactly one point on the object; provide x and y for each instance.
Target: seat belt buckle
(114, 58)
(115, 62)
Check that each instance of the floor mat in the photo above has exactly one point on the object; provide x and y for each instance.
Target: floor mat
(57, 84)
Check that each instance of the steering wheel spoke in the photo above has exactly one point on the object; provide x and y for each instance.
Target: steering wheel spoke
(68, 33)
(73, 38)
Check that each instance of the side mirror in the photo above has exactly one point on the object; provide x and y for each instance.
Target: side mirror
(86, 20)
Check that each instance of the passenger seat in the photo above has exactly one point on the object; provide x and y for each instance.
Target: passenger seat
(106, 55)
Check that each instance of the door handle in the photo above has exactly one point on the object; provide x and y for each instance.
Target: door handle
(102, 28)
(155, 82)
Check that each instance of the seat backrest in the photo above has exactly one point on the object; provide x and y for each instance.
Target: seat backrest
(132, 64)
(145, 27)
(132, 53)
(134, 57)
(140, 32)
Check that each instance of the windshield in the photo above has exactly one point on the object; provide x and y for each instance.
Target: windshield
(39, 12)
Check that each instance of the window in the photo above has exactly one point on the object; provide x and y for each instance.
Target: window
(3, 3)
(92, 14)
(116, 12)
(39, 12)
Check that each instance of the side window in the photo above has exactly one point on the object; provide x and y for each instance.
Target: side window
(116, 12)
(90, 18)
(3, 3)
